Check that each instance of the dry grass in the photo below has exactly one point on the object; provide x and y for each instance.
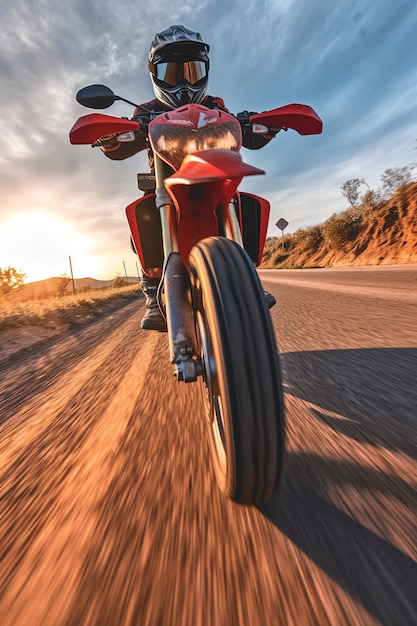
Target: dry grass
(56, 312)
(383, 234)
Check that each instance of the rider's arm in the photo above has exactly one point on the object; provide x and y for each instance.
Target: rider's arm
(214, 102)
(250, 140)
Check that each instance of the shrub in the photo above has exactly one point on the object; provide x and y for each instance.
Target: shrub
(309, 239)
(118, 282)
(270, 246)
(10, 279)
(340, 228)
(63, 284)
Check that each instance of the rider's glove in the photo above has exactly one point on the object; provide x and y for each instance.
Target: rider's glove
(251, 140)
(244, 116)
(108, 143)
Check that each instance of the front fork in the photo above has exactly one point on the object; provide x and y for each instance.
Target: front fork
(182, 338)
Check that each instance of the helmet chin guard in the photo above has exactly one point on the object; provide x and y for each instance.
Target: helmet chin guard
(175, 97)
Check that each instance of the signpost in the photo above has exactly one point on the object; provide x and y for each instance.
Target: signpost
(282, 225)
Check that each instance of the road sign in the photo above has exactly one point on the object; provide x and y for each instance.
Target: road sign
(282, 224)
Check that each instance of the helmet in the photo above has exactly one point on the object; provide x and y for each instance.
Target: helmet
(178, 64)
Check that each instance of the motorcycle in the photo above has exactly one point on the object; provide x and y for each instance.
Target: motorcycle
(204, 239)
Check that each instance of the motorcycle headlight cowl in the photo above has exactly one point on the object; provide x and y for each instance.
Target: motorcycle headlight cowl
(172, 143)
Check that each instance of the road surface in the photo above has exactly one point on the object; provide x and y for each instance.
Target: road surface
(110, 514)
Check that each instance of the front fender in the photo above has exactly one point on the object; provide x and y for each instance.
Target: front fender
(205, 182)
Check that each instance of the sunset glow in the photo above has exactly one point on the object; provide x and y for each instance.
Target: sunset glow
(40, 246)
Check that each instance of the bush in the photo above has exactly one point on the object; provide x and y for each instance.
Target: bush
(308, 239)
(340, 228)
(63, 284)
(118, 282)
(271, 245)
(10, 279)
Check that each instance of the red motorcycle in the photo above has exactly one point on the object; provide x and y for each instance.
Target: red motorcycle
(204, 238)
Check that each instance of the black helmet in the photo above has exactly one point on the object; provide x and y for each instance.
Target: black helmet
(179, 64)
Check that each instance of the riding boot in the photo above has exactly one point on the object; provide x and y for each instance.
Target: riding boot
(270, 299)
(153, 318)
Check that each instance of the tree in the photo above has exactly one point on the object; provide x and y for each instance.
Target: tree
(10, 279)
(350, 189)
(64, 281)
(395, 177)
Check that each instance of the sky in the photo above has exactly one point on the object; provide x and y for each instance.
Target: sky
(353, 61)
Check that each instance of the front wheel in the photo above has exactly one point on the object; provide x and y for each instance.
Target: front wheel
(242, 384)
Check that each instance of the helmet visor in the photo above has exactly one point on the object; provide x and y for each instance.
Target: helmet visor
(174, 73)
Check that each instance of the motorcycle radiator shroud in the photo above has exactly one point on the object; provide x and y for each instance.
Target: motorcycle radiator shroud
(201, 147)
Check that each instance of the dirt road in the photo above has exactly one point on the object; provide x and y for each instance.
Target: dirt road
(109, 511)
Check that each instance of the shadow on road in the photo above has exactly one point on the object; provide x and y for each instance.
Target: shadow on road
(370, 396)
(372, 571)
(373, 392)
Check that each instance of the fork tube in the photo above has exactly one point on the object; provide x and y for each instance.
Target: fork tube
(166, 208)
(182, 338)
(232, 226)
(169, 229)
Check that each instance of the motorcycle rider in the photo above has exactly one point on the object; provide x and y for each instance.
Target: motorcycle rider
(178, 64)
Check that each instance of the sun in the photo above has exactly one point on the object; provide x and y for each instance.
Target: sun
(40, 245)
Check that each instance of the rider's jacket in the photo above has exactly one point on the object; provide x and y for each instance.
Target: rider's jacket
(145, 113)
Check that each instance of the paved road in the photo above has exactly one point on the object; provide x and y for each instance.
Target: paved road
(109, 510)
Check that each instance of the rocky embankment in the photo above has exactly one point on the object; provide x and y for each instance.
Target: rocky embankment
(385, 233)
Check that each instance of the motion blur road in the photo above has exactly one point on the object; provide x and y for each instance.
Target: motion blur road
(110, 514)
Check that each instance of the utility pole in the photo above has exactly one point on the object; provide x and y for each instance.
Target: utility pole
(72, 277)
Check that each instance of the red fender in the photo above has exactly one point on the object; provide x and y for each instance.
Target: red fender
(205, 181)
(88, 128)
(211, 166)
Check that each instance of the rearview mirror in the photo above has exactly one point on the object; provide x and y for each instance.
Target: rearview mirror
(96, 97)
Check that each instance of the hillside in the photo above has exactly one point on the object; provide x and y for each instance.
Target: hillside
(382, 233)
(40, 289)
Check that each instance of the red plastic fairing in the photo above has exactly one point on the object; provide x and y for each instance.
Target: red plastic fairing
(88, 128)
(264, 207)
(210, 166)
(193, 128)
(299, 117)
(145, 228)
(206, 181)
(133, 225)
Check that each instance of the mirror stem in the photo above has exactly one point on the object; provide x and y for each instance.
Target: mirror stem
(127, 101)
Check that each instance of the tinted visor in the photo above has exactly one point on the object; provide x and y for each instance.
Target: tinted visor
(174, 73)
